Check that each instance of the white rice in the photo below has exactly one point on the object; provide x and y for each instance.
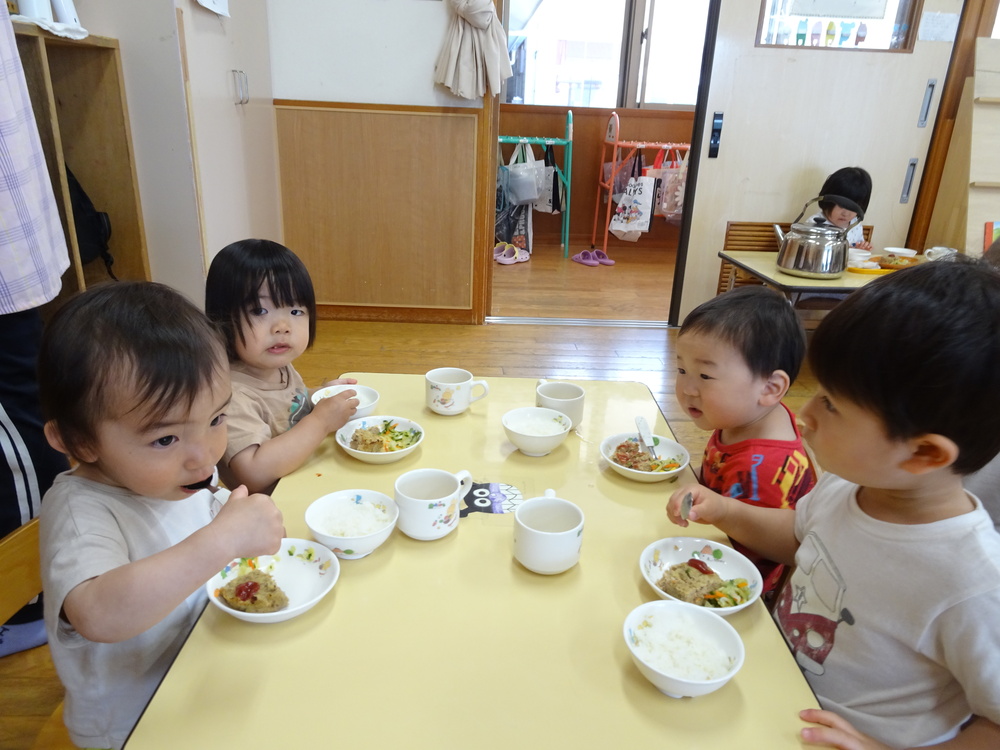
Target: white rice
(355, 519)
(540, 425)
(678, 648)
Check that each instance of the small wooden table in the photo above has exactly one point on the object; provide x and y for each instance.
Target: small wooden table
(764, 266)
(451, 643)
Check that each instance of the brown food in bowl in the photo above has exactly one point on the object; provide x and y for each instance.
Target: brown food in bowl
(254, 592)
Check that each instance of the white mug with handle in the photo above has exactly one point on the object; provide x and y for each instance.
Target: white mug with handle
(429, 502)
(449, 390)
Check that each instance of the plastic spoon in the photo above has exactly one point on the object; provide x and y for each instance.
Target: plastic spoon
(646, 437)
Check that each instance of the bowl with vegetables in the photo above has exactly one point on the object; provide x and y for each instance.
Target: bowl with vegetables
(625, 455)
(701, 572)
(380, 439)
(684, 650)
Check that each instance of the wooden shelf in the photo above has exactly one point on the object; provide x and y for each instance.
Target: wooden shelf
(984, 184)
(77, 93)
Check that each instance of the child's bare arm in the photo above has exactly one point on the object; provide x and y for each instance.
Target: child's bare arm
(130, 599)
(260, 466)
(980, 734)
(768, 531)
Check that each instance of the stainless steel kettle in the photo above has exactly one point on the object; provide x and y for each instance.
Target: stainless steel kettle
(816, 251)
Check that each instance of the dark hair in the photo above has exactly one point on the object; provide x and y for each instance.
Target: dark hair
(235, 278)
(761, 325)
(853, 183)
(920, 348)
(992, 254)
(128, 333)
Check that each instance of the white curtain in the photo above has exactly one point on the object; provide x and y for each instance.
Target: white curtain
(474, 53)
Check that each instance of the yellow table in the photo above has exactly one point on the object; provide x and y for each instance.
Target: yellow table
(764, 266)
(450, 643)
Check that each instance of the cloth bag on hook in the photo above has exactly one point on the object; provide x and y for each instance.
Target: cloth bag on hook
(553, 195)
(635, 208)
(525, 175)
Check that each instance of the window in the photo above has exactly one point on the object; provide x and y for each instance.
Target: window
(605, 53)
(841, 24)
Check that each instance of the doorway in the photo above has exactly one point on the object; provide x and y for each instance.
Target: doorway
(637, 288)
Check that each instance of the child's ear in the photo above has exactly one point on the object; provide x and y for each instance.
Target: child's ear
(930, 452)
(55, 438)
(775, 387)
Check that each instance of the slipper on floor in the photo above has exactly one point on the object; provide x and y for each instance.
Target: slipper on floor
(513, 254)
(586, 258)
(499, 248)
(602, 258)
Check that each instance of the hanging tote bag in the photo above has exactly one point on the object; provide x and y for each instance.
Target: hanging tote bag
(553, 195)
(635, 209)
(621, 177)
(526, 175)
(659, 171)
(672, 200)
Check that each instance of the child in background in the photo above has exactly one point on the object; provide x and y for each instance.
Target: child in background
(737, 354)
(134, 387)
(260, 295)
(893, 606)
(855, 184)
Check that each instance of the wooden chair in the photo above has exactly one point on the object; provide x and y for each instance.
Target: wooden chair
(757, 236)
(21, 562)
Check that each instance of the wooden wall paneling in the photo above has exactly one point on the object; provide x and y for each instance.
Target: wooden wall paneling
(377, 202)
(589, 125)
(89, 92)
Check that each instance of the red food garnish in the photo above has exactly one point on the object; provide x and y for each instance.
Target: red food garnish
(247, 591)
(700, 566)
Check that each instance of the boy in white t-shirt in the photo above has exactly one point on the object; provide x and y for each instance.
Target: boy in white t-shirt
(893, 609)
(134, 384)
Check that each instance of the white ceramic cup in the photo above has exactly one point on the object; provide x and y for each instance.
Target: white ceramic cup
(561, 396)
(938, 252)
(548, 532)
(429, 501)
(449, 390)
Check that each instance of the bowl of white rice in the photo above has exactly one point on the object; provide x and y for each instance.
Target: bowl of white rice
(535, 430)
(684, 650)
(352, 523)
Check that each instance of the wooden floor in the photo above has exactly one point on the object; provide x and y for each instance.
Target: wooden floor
(636, 288)
(28, 683)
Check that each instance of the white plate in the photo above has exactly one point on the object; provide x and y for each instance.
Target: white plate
(345, 433)
(900, 251)
(725, 561)
(304, 570)
(665, 447)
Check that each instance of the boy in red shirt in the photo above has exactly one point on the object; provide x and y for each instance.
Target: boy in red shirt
(737, 355)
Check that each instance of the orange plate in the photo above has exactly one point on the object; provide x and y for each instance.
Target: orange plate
(876, 271)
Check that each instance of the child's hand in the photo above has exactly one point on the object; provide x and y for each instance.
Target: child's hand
(863, 245)
(706, 506)
(835, 732)
(335, 410)
(252, 524)
(340, 381)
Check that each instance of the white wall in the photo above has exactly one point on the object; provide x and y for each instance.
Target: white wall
(371, 51)
(794, 115)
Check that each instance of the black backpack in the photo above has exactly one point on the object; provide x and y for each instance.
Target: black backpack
(93, 227)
